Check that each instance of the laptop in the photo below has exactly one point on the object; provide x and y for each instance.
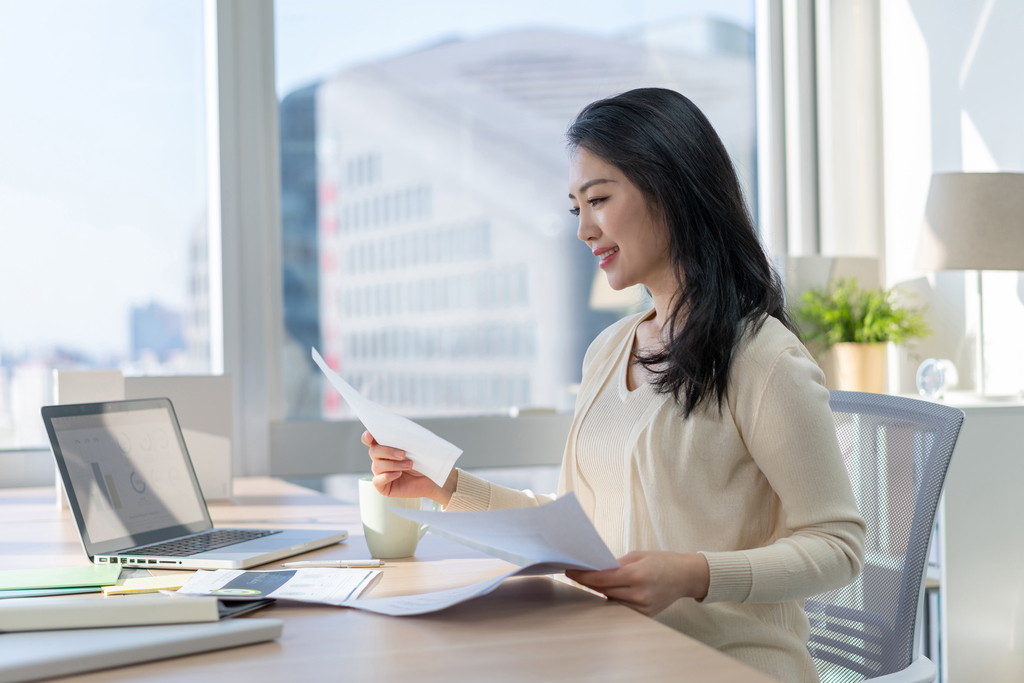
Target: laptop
(136, 499)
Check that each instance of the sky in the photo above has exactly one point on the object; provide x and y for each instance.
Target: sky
(318, 37)
(102, 137)
(102, 170)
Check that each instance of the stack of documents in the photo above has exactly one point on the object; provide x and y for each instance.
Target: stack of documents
(541, 540)
(325, 586)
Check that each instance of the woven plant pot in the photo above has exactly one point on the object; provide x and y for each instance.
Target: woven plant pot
(860, 367)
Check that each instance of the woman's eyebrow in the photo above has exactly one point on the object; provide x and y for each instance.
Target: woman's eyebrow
(590, 183)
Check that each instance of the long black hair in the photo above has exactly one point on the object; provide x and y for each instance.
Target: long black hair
(667, 148)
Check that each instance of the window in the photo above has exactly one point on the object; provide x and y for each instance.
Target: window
(428, 251)
(102, 197)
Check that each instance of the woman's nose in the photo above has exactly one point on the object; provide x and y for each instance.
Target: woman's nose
(587, 230)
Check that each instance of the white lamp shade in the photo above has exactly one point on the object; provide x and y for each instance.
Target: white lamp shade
(973, 221)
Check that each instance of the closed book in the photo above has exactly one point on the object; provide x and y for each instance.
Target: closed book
(59, 577)
(43, 614)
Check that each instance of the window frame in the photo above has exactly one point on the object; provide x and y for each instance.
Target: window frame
(249, 193)
(244, 195)
(249, 172)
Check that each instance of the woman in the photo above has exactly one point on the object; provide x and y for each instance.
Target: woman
(703, 447)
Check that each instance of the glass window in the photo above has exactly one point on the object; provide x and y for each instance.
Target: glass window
(102, 196)
(427, 245)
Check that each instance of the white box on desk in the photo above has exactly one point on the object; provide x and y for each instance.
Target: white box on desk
(202, 404)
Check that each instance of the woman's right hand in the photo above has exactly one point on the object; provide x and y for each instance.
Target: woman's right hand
(393, 475)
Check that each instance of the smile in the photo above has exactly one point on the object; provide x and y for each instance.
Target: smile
(606, 256)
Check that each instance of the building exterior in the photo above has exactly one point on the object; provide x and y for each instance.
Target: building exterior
(157, 332)
(451, 280)
(197, 309)
(300, 252)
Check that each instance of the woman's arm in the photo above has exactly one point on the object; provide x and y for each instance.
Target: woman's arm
(393, 475)
(787, 426)
(783, 416)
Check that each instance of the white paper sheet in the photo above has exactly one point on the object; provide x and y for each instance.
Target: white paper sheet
(557, 533)
(425, 603)
(542, 540)
(433, 456)
(328, 586)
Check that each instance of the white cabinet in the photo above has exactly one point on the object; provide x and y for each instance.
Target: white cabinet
(981, 545)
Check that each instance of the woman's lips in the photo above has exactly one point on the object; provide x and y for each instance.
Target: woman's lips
(606, 256)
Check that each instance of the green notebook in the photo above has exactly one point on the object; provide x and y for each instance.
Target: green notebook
(42, 592)
(62, 577)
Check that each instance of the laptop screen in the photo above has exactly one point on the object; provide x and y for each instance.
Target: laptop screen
(128, 473)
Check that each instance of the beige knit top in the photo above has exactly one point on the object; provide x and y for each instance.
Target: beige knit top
(760, 490)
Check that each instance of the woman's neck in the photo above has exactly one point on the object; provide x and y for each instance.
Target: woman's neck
(662, 292)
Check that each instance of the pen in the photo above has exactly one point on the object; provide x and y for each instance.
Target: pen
(345, 564)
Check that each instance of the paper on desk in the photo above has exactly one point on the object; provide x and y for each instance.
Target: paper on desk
(149, 584)
(542, 540)
(433, 456)
(328, 586)
(425, 603)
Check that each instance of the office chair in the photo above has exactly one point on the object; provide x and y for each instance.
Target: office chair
(897, 451)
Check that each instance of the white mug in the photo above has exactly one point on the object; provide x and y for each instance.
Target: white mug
(388, 535)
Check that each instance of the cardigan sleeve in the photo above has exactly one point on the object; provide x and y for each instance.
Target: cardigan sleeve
(788, 428)
(474, 493)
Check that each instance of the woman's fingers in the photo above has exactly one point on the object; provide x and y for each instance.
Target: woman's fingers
(601, 581)
(379, 452)
(382, 482)
(381, 466)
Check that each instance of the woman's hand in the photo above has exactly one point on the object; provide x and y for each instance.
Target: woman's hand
(393, 475)
(649, 581)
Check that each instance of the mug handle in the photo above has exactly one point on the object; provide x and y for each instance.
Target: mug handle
(424, 527)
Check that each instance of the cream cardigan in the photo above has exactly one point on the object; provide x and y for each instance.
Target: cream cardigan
(760, 490)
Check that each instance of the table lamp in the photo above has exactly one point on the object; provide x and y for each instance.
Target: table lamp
(973, 221)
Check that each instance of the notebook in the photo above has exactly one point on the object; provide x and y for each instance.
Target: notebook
(31, 656)
(135, 496)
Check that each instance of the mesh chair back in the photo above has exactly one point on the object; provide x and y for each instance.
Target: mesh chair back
(897, 451)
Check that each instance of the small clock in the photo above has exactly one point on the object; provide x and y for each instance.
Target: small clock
(935, 376)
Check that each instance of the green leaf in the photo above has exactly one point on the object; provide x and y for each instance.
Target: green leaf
(843, 312)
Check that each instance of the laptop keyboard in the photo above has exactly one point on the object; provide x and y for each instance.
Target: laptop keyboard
(201, 543)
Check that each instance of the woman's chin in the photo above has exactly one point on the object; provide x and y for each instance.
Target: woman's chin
(618, 284)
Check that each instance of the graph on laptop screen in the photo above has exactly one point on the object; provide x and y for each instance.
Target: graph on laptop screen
(128, 472)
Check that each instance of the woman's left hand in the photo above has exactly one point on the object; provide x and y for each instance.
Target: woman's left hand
(650, 580)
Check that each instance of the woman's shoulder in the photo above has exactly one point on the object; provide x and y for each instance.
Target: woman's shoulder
(771, 364)
(762, 346)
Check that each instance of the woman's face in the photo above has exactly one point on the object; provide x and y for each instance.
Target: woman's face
(630, 242)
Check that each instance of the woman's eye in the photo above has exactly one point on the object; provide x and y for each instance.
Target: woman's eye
(575, 211)
(594, 201)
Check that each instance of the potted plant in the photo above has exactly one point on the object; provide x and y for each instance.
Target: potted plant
(857, 324)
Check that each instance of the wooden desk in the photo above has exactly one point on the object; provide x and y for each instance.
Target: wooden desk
(529, 629)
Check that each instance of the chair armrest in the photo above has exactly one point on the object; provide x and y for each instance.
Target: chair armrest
(921, 670)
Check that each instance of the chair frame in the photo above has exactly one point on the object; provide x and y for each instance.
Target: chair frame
(946, 422)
